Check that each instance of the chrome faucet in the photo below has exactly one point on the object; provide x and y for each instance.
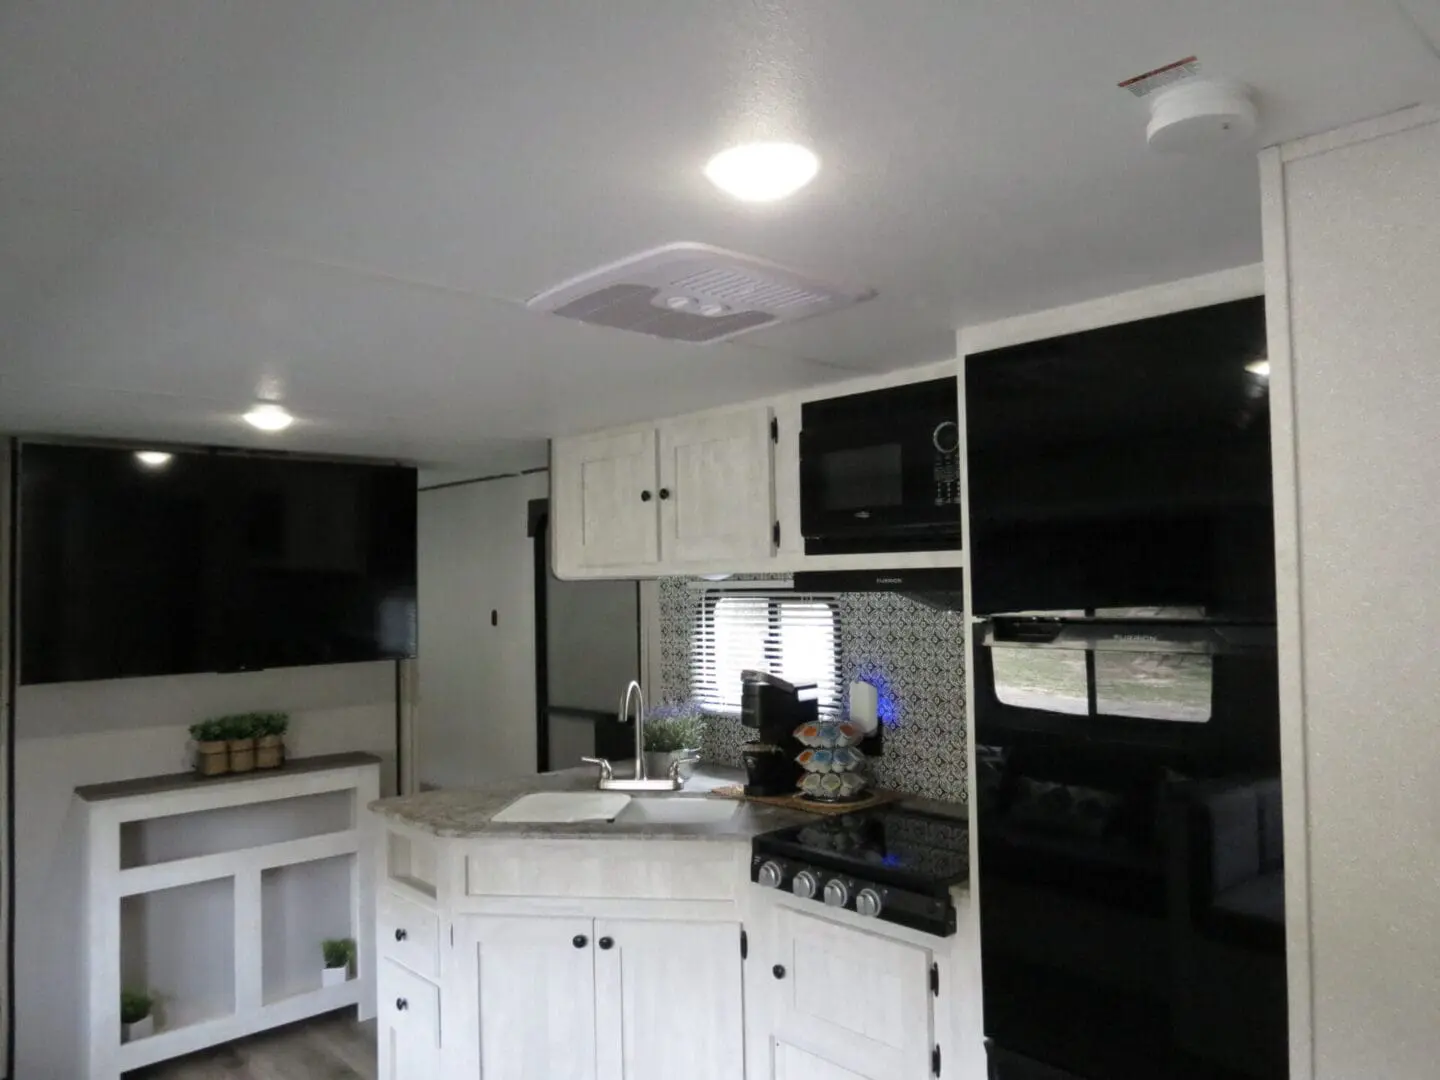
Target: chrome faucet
(640, 781)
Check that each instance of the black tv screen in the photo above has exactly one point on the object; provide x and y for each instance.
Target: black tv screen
(210, 561)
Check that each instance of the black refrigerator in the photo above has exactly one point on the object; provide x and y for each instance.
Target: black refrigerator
(1131, 866)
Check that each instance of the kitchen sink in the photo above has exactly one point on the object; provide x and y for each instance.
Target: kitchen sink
(678, 810)
(564, 807)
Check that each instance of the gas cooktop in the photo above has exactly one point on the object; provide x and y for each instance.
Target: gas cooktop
(893, 864)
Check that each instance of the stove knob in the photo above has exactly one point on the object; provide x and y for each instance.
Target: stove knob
(868, 903)
(805, 885)
(770, 875)
(837, 893)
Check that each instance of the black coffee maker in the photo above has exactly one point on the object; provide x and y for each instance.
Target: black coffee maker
(773, 709)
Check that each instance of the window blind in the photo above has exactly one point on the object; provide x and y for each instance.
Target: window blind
(793, 636)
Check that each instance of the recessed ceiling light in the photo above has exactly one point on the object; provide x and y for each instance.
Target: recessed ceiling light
(678, 303)
(269, 417)
(1259, 367)
(153, 459)
(762, 172)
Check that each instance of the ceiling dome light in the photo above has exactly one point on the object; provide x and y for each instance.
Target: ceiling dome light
(153, 459)
(762, 172)
(269, 417)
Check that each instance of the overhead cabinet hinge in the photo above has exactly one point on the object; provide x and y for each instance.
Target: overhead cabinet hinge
(935, 979)
(935, 1060)
(774, 430)
(744, 945)
(776, 534)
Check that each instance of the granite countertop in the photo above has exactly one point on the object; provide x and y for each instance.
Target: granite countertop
(466, 812)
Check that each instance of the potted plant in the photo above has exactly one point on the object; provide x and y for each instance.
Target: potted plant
(240, 733)
(136, 1019)
(339, 954)
(212, 752)
(673, 733)
(270, 728)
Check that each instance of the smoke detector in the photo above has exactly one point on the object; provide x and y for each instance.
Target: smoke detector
(693, 292)
(1192, 113)
(1201, 115)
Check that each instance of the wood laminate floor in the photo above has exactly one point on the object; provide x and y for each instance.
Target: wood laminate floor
(333, 1047)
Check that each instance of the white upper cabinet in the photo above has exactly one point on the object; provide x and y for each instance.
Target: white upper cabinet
(682, 495)
(604, 499)
(716, 487)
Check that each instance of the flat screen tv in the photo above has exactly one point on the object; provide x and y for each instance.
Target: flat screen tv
(210, 561)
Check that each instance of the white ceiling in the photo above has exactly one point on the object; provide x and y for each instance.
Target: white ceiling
(343, 205)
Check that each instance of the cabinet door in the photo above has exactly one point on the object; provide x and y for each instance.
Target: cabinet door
(792, 1063)
(531, 1004)
(669, 1001)
(605, 499)
(716, 487)
(860, 999)
(407, 1025)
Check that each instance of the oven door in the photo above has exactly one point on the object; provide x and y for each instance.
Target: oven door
(880, 471)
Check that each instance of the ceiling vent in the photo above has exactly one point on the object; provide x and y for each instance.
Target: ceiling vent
(692, 292)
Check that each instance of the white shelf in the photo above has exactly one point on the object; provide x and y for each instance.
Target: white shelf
(227, 890)
(164, 1045)
(143, 879)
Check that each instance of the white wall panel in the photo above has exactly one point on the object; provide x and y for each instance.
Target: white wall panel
(1353, 265)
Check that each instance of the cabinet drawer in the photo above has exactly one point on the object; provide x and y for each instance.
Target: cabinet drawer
(409, 934)
(409, 1004)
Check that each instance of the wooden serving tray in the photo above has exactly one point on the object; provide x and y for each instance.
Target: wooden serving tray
(811, 806)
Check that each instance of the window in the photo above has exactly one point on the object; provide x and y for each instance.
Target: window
(1174, 686)
(790, 636)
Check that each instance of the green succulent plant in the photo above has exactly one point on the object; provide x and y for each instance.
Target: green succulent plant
(675, 727)
(240, 726)
(208, 731)
(338, 952)
(135, 1005)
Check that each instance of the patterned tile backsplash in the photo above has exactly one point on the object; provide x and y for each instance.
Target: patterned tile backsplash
(914, 654)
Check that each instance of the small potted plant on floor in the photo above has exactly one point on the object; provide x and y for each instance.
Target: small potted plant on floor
(212, 752)
(339, 954)
(240, 733)
(270, 731)
(673, 733)
(136, 1019)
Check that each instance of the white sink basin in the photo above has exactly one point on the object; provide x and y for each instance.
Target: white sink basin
(564, 807)
(678, 810)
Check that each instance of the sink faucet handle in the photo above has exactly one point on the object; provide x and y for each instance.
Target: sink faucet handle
(606, 772)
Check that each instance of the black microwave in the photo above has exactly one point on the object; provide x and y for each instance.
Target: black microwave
(880, 471)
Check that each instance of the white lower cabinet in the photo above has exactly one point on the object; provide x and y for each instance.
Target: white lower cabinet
(598, 999)
(668, 1000)
(792, 1063)
(532, 1016)
(846, 1004)
(408, 1026)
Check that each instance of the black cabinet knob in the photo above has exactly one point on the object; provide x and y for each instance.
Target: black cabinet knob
(645, 496)
(580, 941)
(664, 493)
(607, 943)
(778, 971)
(401, 935)
(401, 1004)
